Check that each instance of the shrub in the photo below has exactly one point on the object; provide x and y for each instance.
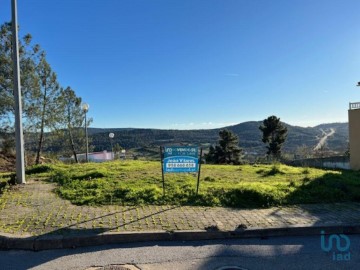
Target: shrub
(61, 177)
(275, 169)
(209, 179)
(38, 169)
(89, 176)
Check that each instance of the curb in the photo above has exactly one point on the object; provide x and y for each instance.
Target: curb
(46, 242)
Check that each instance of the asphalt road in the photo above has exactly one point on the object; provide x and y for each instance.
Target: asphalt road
(272, 253)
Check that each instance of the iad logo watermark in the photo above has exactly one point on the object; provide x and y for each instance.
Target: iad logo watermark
(342, 242)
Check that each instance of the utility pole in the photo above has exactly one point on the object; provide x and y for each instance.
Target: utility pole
(111, 136)
(20, 167)
(85, 108)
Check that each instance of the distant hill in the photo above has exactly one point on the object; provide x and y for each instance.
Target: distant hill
(248, 132)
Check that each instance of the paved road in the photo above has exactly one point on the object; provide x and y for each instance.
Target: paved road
(322, 141)
(272, 253)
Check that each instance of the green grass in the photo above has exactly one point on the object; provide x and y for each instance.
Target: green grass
(139, 182)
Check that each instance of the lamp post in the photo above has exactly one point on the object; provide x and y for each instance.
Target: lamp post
(85, 108)
(111, 136)
(20, 164)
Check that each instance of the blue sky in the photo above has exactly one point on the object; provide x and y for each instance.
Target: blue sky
(185, 64)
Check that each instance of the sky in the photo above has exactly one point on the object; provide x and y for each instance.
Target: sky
(200, 64)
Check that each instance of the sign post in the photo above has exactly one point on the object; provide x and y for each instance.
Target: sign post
(198, 180)
(180, 159)
(162, 169)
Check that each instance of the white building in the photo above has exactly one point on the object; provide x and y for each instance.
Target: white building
(96, 156)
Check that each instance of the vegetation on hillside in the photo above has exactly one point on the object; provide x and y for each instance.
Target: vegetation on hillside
(248, 132)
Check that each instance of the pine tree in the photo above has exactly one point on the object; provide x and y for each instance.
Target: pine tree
(29, 54)
(210, 156)
(46, 106)
(274, 134)
(72, 118)
(227, 151)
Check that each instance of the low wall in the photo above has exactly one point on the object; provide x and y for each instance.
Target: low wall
(337, 162)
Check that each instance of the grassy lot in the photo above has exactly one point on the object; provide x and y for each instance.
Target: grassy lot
(139, 182)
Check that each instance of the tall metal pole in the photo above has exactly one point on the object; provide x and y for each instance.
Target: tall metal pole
(162, 169)
(20, 153)
(87, 140)
(111, 136)
(198, 180)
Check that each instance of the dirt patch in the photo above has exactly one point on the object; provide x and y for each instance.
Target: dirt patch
(7, 163)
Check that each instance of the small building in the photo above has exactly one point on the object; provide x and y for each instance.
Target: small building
(96, 156)
(354, 135)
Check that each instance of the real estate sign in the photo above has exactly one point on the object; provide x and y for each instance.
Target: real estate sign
(179, 159)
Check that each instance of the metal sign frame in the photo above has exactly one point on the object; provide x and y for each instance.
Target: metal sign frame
(180, 159)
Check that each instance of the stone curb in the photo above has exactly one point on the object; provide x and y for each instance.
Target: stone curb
(46, 242)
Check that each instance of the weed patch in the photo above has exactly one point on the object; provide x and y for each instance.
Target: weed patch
(245, 186)
(209, 179)
(37, 169)
(89, 176)
(275, 169)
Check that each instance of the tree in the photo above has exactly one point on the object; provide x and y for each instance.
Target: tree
(8, 141)
(303, 152)
(72, 117)
(46, 106)
(227, 151)
(274, 134)
(117, 149)
(211, 156)
(29, 54)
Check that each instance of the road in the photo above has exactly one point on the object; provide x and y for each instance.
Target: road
(272, 253)
(323, 139)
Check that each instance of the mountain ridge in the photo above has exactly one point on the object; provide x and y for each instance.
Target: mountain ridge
(251, 121)
(248, 133)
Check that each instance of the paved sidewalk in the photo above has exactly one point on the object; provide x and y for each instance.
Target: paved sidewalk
(34, 210)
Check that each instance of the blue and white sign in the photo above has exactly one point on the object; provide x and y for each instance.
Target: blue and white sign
(181, 159)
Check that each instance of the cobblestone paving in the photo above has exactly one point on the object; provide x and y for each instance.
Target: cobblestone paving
(35, 210)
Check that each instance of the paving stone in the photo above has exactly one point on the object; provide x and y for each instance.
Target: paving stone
(38, 211)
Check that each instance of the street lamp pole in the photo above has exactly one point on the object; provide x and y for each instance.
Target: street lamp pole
(111, 136)
(20, 153)
(85, 108)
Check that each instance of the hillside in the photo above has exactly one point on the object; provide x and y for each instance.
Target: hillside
(248, 132)
(334, 137)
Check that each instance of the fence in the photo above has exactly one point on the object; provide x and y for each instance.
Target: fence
(336, 162)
